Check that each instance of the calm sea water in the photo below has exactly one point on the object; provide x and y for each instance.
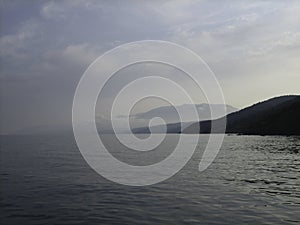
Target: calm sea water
(254, 180)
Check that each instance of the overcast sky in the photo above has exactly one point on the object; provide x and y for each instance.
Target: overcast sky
(253, 47)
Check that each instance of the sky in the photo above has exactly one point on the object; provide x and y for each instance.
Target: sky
(253, 48)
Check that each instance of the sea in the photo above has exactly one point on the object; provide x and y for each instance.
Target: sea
(44, 179)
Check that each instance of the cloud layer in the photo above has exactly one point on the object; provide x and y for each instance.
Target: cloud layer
(252, 46)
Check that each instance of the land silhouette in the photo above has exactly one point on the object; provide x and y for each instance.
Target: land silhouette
(275, 116)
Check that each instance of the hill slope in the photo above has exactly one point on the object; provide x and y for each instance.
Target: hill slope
(276, 116)
(170, 115)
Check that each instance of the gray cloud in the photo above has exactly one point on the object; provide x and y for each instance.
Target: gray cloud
(253, 48)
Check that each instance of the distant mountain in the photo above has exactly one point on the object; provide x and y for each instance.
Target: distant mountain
(169, 114)
(172, 128)
(276, 116)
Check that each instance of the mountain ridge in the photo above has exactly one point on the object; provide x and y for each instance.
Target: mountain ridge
(172, 120)
(275, 116)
